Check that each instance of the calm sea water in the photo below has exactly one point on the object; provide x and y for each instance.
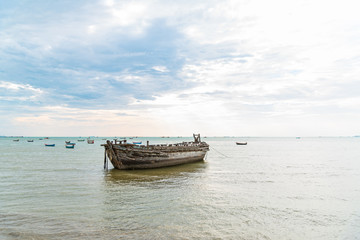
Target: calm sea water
(272, 188)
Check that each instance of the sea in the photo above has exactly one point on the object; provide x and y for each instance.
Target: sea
(271, 188)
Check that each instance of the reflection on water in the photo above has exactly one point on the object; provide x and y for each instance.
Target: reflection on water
(149, 175)
(153, 203)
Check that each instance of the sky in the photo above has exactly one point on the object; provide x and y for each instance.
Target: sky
(173, 68)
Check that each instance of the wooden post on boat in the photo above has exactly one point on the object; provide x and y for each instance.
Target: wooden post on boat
(196, 138)
(147, 144)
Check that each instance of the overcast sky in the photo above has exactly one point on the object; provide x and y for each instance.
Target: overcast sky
(173, 68)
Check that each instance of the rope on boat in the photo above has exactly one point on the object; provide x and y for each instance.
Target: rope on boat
(219, 152)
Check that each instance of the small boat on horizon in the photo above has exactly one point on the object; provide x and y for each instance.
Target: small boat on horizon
(90, 141)
(30, 140)
(16, 140)
(50, 145)
(241, 143)
(81, 140)
(69, 145)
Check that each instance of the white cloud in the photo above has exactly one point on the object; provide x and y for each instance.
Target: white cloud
(160, 69)
(91, 29)
(109, 3)
(17, 87)
(19, 92)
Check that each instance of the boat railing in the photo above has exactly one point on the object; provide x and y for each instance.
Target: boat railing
(170, 147)
(163, 148)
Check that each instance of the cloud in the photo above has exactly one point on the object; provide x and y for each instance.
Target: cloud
(19, 92)
(162, 69)
(204, 65)
(16, 87)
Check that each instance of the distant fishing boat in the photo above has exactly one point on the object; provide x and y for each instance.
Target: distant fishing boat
(50, 145)
(130, 156)
(137, 142)
(30, 140)
(16, 140)
(90, 141)
(69, 145)
(67, 141)
(241, 143)
(81, 140)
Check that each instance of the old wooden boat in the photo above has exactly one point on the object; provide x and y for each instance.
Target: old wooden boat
(69, 145)
(50, 145)
(123, 155)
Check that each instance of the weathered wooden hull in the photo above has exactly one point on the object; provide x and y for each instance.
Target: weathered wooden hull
(172, 160)
(142, 158)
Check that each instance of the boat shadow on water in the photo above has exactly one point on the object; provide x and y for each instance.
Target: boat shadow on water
(156, 174)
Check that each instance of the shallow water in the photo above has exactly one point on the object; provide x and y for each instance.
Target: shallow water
(272, 188)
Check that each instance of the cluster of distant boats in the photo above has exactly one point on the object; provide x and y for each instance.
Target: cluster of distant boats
(68, 144)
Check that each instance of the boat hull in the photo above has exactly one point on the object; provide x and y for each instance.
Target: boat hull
(172, 160)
